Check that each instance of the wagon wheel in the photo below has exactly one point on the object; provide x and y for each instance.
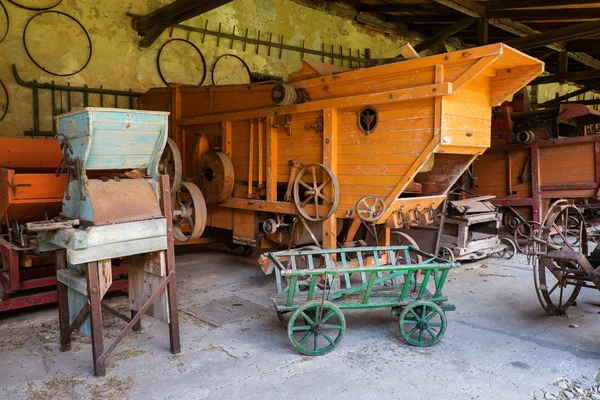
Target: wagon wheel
(318, 335)
(524, 232)
(370, 208)
(404, 239)
(170, 164)
(509, 250)
(557, 294)
(189, 213)
(422, 323)
(308, 180)
(446, 253)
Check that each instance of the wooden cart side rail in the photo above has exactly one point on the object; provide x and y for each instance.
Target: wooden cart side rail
(390, 96)
(426, 265)
(365, 249)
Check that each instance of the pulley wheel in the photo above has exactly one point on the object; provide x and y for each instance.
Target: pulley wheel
(170, 164)
(214, 175)
(370, 208)
(310, 183)
(189, 213)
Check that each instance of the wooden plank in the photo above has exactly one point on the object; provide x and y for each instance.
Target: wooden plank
(17, 153)
(95, 305)
(260, 154)
(141, 286)
(330, 160)
(390, 96)
(227, 138)
(473, 72)
(104, 276)
(251, 160)
(271, 159)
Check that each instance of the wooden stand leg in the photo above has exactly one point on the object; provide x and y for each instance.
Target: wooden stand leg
(138, 325)
(63, 304)
(94, 298)
(172, 286)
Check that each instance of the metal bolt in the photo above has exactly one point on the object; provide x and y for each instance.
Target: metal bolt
(327, 141)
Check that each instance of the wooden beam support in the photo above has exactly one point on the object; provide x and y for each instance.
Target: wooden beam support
(570, 77)
(563, 62)
(152, 25)
(330, 146)
(476, 10)
(271, 159)
(546, 14)
(506, 4)
(567, 96)
(558, 35)
(444, 34)
(483, 32)
(411, 8)
(423, 18)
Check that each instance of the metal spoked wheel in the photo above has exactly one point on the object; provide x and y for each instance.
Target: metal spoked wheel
(170, 164)
(524, 232)
(320, 334)
(553, 277)
(312, 180)
(189, 213)
(510, 249)
(403, 239)
(370, 208)
(446, 253)
(422, 323)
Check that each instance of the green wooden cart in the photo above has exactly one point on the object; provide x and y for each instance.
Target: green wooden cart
(314, 286)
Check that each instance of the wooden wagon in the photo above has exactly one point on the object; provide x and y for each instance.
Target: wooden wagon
(336, 153)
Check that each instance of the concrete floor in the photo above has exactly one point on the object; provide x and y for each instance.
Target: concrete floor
(500, 344)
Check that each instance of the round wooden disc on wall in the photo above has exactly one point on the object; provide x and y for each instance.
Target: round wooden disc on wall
(215, 176)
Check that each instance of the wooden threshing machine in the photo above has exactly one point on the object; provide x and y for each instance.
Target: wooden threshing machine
(537, 157)
(336, 154)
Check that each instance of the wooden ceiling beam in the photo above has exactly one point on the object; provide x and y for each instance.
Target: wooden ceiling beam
(506, 4)
(567, 96)
(547, 14)
(410, 8)
(423, 19)
(444, 34)
(154, 23)
(476, 10)
(570, 77)
(585, 45)
(557, 35)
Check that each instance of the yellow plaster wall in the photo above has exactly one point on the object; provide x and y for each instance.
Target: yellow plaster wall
(118, 63)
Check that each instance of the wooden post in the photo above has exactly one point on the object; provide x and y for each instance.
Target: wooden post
(95, 303)
(251, 160)
(330, 148)
(271, 159)
(63, 303)
(172, 285)
(536, 193)
(260, 154)
(227, 138)
(482, 32)
(174, 127)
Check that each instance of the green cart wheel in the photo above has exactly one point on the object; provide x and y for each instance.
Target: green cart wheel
(422, 323)
(321, 333)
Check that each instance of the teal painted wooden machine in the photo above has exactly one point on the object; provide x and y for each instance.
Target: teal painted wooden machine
(116, 211)
(314, 286)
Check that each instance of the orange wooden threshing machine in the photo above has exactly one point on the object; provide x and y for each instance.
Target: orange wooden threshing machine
(336, 157)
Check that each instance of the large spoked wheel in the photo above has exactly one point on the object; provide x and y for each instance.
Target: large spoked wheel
(189, 213)
(524, 232)
(316, 327)
(446, 253)
(508, 251)
(422, 323)
(403, 239)
(170, 164)
(563, 230)
(370, 208)
(310, 183)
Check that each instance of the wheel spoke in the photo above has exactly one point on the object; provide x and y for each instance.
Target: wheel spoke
(421, 335)
(317, 206)
(307, 318)
(301, 328)
(316, 342)
(430, 316)
(413, 331)
(331, 326)
(553, 287)
(305, 337)
(433, 335)
(326, 336)
(330, 314)
(305, 185)
(326, 198)
(191, 223)
(435, 324)
(307, 200)
(322, 185)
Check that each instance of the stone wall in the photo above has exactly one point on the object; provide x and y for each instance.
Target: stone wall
(117, 62)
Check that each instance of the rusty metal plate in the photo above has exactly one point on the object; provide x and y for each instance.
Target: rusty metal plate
(122, 201)
(225, 311)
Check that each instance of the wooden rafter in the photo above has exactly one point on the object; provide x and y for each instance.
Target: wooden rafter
(507, 4)
(551, 14)
(444, 34)
(558, 35)
(153, 24)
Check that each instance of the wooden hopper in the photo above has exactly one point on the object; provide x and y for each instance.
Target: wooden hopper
(402, 133)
